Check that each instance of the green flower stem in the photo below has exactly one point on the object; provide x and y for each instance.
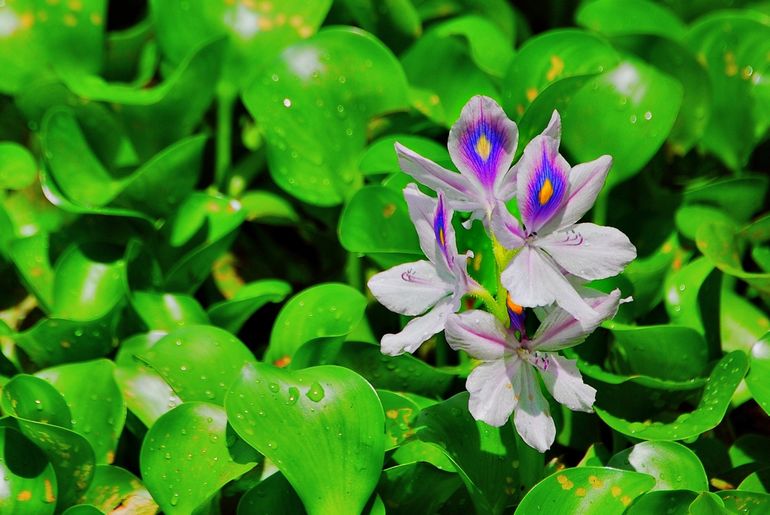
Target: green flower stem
(490, 302)
(503, 256)
(225, 105)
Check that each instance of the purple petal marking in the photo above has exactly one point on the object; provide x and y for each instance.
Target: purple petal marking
(482, 147)
(440, 229)
(545, 191)
(517, 316)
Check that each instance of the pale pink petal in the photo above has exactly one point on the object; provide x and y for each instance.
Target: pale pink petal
(409, 288)
(478, 333)
(563, 380)
(419, 329)
(492, 397)
(532, 416)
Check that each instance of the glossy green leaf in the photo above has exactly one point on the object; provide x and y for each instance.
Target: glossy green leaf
(83, 509)
(376, 219)
(690, 288)
(485, 457)
(314, 103)
(167, 311)
(232, 313)
(199, 362)
(268, 208)
(674, 466)
(287, 415)
(733, 48)
(417, 488)
(548, 58)
(97, 408)
(740, 197)
(22, 52)
(489, 47)
(630, 17)
(323, 311)
(17, 166)
(710, 410)
(31, 398)
(673, 502)
(649, 350)
(708, 503)
(690, 217)
(114, 489)
(756, 482)
(745, 502)
(193, 435)
(742, 323)
(28, 480)
(626, 112)
(396, 22)
(272, 496)
(401, 373)
(53, 341)
(146, 393)
(758, 374)
(586, 490)
(720, 244)
(400, 412)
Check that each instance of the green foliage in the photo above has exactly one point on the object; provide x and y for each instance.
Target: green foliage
(194, 194)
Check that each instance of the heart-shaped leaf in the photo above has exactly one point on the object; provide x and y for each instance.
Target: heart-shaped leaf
(114, 488)
(328, 416)
(194, 436)
(232, 313)
(167, 311)
(272, 496)
(674, 466)
(28, 479)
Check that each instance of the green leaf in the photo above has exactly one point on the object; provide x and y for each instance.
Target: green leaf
(266, 207)
(708, 503)
(586, 490)
(489, 48)
(114, 488)
(756, 482)
(17, 166)
(416, 488)
(97, 407)
(745, 502)
(733, 47)
(649, 350)
(674, 466)
(740, 197)
(194, 436)
(626, 112)
(548, 58)
(199, 362)
(396, 22)
(402, 373)
(322, 311)
(758, 374)
(31, 398)
(272, 496)
(631, 17)
(232, 313)
(672, 502)
(22, 52)
(400, 413)
(485, 457)
(690, 217)
(376, 219)
(167, 311)
(327, 416)
(741, 323)
(380, 157)
(53, 341)
(692, 299)
(314, 103)
(720, 244)
(710, 411)
(28, 480)
(145, 392)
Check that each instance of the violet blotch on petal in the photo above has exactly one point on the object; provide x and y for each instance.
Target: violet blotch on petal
(432, 289)
(505, 382)
(482, 144)
(551, 197)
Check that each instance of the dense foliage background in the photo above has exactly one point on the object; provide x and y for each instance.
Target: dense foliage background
(187, 187)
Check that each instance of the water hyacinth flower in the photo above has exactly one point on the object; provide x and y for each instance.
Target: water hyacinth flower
(433, 288)
(552, 197)
(506, 380)
(481, 144)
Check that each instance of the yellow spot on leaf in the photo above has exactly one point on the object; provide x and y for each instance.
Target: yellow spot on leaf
(616, 491)
(27, 20)
(434, 100)
(96, 18)
(75, 5)
(626, 500)
(595, 482)
(24, 495)
(564, 481)
(53, 2)
(388, 210)
(70, 20)
(392, 413)
(282, 362)
(42, 15)
(580, 492)
(295, 21)
(520, 109)
(65, 344)
(557, 66)
(264, 23)
(731, 68)
(546, 192)
(49, 496)
(477, 262)
(531, 94)
(280, 19)
(483, 147)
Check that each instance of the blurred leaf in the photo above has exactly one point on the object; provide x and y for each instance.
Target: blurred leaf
(758, 374)
(328, 416)
(17, 166)
(613, 18)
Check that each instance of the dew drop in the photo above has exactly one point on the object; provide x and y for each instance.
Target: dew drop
(316, 392)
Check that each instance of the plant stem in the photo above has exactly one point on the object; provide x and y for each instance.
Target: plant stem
(225, 104)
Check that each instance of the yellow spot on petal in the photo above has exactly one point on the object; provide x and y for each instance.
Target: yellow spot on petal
(557, 66)
(24, 495)
(580, 492)
(626, 500)
(96, 18)
(531, 94)
(388, 210)
(483, 147)
(392, 413)
(564, 481)
(49, 496)
(595, 482)
(616, 491)
(731, 68)
(546, 192)
(70, 20)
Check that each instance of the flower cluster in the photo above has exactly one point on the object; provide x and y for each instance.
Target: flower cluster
(544, 259)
